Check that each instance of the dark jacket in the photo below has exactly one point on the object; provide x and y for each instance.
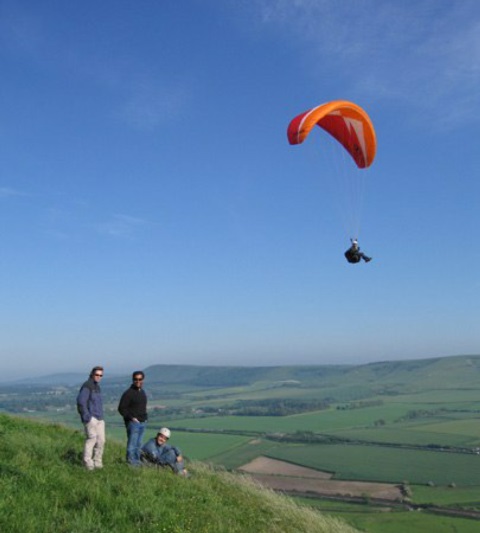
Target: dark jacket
(353, 255)
(133, 404)
(89, 401)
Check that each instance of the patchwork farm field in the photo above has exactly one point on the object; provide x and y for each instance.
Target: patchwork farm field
(286, 477)
(381, 520)
(414, 424)
(448, 429)
(318, 421)
(450, 433)
(466, 496)
(361, 463)
(379, 463)
(468, 430)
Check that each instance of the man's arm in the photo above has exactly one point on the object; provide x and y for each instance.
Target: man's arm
(82, 404)
(123, 406)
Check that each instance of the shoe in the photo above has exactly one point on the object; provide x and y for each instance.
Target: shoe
(367, 259)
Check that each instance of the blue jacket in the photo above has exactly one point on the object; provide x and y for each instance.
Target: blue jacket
(160, 455)
(90, 402)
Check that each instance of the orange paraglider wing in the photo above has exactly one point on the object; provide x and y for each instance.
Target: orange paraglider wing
(347, 122)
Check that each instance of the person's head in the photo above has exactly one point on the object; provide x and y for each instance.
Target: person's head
(355, 244)
(137, 377)
(96, 373)
(163, 435)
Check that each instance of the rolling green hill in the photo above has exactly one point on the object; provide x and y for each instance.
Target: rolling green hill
(45, 489)
(412, 375)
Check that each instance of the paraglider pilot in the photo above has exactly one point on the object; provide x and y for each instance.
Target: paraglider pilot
(354, 255)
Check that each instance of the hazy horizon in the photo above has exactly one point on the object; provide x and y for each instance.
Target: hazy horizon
(127, 371)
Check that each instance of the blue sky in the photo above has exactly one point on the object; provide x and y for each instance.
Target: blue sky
(152, 210)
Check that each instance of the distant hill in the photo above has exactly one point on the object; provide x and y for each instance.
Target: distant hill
(231, 376)
(442, 372)
(45, 489)
(462, 371)
(68, 379)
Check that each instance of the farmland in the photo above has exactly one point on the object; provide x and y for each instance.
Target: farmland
(410, 423)
(376, 463)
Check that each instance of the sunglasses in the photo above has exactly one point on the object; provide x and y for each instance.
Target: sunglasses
(98, 375)
(137, 379)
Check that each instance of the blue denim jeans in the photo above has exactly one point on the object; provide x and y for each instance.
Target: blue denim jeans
(167, 458)
(135, 431)
(170, 458)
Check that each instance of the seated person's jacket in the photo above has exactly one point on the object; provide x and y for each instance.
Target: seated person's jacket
(160, 455)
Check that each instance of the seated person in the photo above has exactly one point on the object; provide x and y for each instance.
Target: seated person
(354, 255)
(156, 451)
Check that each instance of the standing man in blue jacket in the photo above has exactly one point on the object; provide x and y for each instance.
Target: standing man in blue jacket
(133, 408)
(90, 407)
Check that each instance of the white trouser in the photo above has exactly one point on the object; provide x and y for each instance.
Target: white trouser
(94, 443)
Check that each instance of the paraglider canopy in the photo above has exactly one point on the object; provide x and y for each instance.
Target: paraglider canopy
(347, 122)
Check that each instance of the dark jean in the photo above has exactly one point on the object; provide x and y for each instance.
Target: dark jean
(135, 431)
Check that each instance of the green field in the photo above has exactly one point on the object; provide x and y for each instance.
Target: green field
(380, 520)
(463, 496)
(353, 462)
(451, 397)
(467, 429)
(237, 457)
(415, 435)
(330, 421)
(317, 421)
(411, 522)
(414, 421)
(378, 463)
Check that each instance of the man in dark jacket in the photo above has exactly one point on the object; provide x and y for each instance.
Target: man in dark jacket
(133, 408)
(354, 255)
(157, 452)
(90, 407)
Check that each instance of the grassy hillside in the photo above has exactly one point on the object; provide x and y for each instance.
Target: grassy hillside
(44, 488)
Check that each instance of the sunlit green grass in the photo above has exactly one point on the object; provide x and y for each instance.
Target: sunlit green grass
(45, 489)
